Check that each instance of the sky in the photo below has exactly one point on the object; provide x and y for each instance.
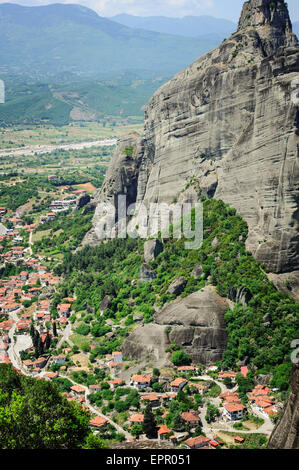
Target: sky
(229, 9)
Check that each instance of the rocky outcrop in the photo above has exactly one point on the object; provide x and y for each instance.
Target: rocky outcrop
(147, 342)
(121, 179)
(152, 248)
(177, 286)
(195, 323)
(83, 201)
(227, 127)
(147, 274)
(286, 433)
(197, 271)
(106, 302)
(239, 295)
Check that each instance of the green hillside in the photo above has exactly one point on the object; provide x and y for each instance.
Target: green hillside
(34, 103)
(46, 40)
(113, 269)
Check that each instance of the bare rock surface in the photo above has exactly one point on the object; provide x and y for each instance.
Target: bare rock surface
(286, 433)
(147, 274)
(195, 322)
(121, 179)
(148, 341)
(152, 248)
(226, 126)
(177, 286)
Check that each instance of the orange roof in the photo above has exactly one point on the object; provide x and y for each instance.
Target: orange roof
(190, 417)
(229, 394)
(186, 368)
(177, 382)
(51, 375)
(78, 389)
(115, 381)
(270, 411)
(232, 399)
(197, 440)
(141, 378)
(150, 397)
(163, 430)
(233, 407)
(98, 421)
(137, 418)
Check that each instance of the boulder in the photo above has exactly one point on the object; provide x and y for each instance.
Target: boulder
(105, 303)
(147, 274)
(177, 286)
(138, 317)
(152, 248)
(196, 323)
(215, 242)
(197, 271)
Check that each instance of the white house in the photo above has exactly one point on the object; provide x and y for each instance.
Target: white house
(140, 381)
(233, 411)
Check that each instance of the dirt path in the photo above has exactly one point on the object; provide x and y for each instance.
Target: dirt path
(66, 336)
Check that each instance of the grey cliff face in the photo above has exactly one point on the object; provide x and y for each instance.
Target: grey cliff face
(121, 179)
(286, 433)
(195, 323)
(226, 127)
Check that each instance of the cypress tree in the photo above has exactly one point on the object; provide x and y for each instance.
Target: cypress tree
(149, 423)
(48, 341)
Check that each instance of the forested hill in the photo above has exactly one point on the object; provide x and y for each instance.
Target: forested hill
(189, 26)
(46, 40)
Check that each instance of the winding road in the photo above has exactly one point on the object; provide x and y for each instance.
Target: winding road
(95, 411)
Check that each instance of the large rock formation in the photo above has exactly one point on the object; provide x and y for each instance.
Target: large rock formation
(227, 126)
(286, 433)
(195, 323)
(121, 179)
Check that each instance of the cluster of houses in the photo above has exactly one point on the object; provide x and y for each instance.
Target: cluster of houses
(16, 252)
(68, 202)
(262, 401)
(14, 291)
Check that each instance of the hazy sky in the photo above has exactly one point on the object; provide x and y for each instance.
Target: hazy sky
(229, 9)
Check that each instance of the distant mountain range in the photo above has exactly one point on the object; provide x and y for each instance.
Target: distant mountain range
(189, 26)
(46, 40)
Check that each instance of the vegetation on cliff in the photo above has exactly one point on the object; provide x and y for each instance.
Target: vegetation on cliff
(112, 269)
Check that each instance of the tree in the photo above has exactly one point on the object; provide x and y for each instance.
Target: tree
(228, 382)
(149, 425)
(180, 358)
(178, 423)
(54, 329)
(47, 341)
(212, 412)
(94, 442)
(34, 415)
(136, 430)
